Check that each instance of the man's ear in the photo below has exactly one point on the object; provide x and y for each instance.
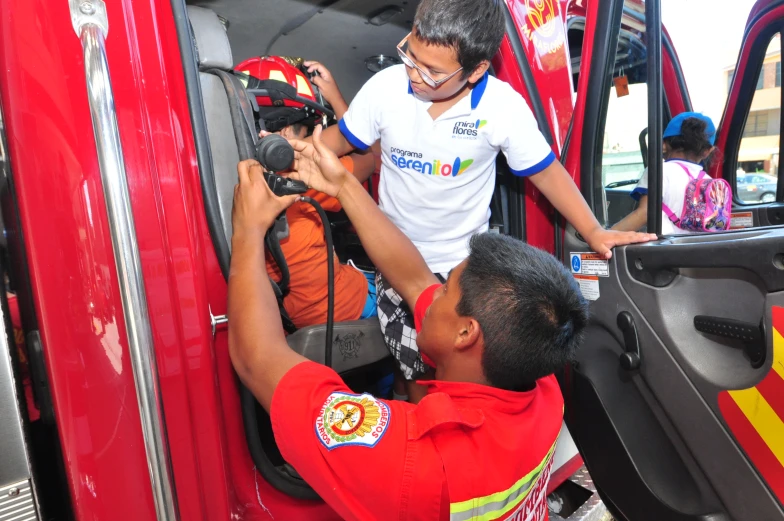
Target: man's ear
(469, 333)
(479, 71)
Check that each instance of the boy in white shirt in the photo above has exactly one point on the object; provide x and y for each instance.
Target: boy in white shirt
(442, 120)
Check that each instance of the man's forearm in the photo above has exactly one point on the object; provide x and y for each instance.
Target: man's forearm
(554, 182)
(257, 345)
(393, 254)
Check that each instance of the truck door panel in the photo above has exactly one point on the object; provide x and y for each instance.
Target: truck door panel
(675, 422)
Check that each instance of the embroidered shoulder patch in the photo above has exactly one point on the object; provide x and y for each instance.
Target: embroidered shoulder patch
(350, 419)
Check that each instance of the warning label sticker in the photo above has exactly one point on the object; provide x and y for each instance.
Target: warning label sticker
(589, 264)
(589, 286)
(742, 220)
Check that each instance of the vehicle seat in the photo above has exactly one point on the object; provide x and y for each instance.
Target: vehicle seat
(499, 204)
(213, 52)
(357, 343)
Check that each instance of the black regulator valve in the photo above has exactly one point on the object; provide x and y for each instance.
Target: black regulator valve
(276, 155)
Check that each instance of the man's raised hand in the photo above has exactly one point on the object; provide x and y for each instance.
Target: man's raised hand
(255, 206)
(317, 166)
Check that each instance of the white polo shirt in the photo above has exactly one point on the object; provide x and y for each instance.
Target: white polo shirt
(438, 176)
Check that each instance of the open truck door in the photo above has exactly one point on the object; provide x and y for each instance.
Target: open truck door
(751, 126)
(676, 399)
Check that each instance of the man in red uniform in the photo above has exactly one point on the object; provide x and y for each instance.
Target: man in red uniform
(479, 445)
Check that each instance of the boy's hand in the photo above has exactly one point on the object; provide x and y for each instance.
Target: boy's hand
(317, 166)
(326, 83)
(255, 206)
(603, 241)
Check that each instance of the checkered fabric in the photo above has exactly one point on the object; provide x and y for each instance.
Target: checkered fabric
(397, 326)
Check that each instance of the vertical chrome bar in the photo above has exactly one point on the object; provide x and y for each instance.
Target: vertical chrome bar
(91, 25)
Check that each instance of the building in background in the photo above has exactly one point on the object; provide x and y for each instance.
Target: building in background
(759, 149)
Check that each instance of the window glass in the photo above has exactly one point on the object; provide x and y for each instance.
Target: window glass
(708, 76)
(758, 156)
(622, 154)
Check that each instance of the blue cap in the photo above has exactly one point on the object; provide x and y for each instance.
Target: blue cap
(674, 128)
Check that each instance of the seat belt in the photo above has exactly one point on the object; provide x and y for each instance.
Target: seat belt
(241, 110)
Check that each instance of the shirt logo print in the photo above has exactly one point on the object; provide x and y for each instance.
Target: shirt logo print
(468, 129)
(407, 160)
(348, 419)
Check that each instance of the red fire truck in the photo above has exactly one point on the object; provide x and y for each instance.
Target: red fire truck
(117, 397)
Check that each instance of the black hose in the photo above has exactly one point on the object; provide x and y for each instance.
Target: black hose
(287, 484)
(330, 279)
(273, 246)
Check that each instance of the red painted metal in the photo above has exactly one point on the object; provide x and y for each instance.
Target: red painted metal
(58, 187)
(670, 69)
(542, 32)
(54, 162)
(590, 11)
(52, 153)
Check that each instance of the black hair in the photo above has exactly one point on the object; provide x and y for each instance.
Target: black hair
(297, 128)
(528, 306)
(473, 28)
(276, 119)
(694, 139)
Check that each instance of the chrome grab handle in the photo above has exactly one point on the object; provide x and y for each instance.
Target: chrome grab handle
(91, 25)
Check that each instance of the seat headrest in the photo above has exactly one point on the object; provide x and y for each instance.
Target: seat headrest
(210, 38)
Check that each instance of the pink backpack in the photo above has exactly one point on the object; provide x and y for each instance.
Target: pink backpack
(707, 205)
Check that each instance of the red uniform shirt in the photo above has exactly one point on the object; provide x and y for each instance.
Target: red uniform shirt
(466, 451)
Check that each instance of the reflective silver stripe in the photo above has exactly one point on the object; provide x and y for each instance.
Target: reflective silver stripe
(483, 509)
(498, 505)
(91, 25)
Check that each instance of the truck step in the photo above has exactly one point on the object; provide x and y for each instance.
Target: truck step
(577, 500)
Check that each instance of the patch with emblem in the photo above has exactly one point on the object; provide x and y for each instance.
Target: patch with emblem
(350, 419)
(349, 345)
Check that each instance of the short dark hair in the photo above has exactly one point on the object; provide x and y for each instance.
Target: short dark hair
(297, 128)
(474, 28)
(528, 306)
(693, 137)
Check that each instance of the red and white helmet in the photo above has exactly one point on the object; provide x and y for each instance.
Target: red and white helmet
(284, 94)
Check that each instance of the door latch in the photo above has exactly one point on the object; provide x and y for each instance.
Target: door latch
(216, 321)
(630, 360)
(752, 335)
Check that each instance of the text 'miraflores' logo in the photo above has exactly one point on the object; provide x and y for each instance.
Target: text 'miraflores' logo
(407, 160)
(468, 128)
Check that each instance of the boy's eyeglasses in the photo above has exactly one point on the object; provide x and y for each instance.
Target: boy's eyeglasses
(402, 49)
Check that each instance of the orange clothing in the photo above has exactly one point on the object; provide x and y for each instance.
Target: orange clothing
(305, 250)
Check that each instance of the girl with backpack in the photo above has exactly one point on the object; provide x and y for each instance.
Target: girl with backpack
(692, 201)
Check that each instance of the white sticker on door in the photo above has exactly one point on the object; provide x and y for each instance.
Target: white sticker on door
(589, 286)
(589, 264)
(742, 220)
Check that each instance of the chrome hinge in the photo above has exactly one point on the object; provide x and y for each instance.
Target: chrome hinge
(215, 321)
(85, 12)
